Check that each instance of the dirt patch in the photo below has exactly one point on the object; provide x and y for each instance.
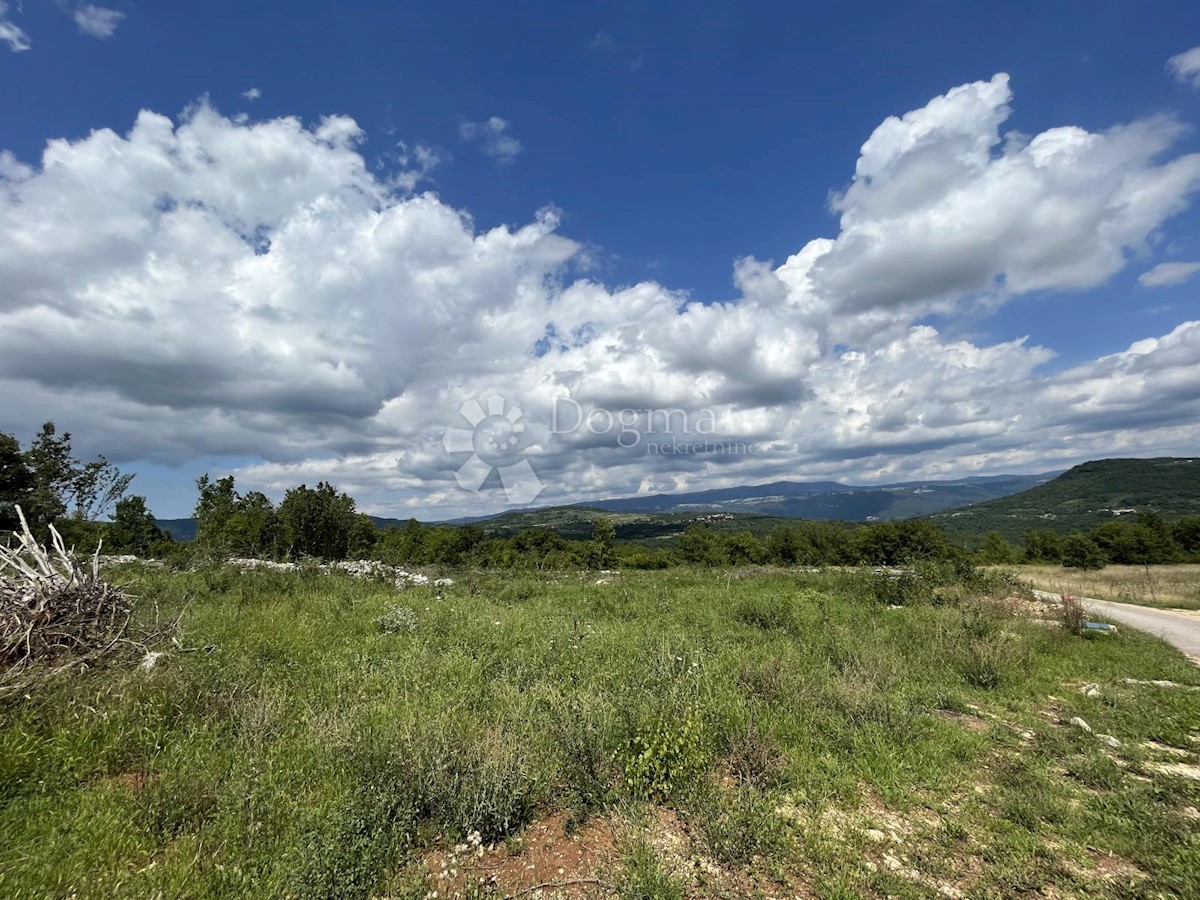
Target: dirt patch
(681, 854)
(544, 861)
(1106, 868)
(966, 720)
(133, 781)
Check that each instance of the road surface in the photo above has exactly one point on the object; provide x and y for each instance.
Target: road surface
(1178, 627)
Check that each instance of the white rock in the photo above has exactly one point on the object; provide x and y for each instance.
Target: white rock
(1080, 724)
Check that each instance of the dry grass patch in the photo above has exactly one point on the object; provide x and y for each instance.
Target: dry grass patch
(1167, 586)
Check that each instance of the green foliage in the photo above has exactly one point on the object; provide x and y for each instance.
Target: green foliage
(604, 535)
(902, 543)
(1043, 546)
(1081, 552)
(47, 481)
(995, 550)
(398, 620)
(663, 757)
(16, 482)
(736, 824)
(812, 544)
(701, 546)
(770, 613)
(133, 529)
(318, 522)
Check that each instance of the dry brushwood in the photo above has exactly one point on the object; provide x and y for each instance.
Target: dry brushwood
(55, 612)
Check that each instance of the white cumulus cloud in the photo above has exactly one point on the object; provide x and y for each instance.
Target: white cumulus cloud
(215, 286)
(494, 137)
(1165, 274)
(10, 33)
(98, 21)
(252, 94)
(1185, 67)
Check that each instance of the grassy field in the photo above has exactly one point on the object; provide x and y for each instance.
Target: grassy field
(643, 735)
(1167, 587)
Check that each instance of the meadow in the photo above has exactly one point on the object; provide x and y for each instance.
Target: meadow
(638, 735)
(1163, 586)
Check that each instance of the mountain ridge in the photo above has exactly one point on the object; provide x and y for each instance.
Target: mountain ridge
(1084, 497)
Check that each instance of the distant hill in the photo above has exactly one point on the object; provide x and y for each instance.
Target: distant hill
(760, 508)
(832, 499)
(178, 529)
(1086, 497)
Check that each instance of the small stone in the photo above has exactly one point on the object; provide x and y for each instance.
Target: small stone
(1081, 724)
(1090, 690)
(1109, 740)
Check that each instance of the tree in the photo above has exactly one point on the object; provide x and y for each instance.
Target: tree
(134, 529)
(1081, 552)
(98, 485)
(59, 482)
(604, 535)
(700, 546)
(317, 521)
(743, 549)
(901, 543)
(1042, 546)
(995, 550)
(1186, 533)
(215, 508)
(16, 481)
(811, 544)
(49, 459)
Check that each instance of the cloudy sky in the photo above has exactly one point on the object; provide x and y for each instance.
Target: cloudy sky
(910, 243)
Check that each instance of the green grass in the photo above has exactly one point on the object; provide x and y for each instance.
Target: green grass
(806, 736)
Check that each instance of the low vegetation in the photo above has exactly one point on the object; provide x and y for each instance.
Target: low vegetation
(633, 734)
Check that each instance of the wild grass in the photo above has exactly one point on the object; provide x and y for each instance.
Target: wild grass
(1165, 586)
(327, 732)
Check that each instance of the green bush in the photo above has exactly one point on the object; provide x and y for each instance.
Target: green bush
(663, 758)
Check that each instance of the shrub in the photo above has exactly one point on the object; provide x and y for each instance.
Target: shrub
(1072, 615)
(660, 760)
(755, 758)
(398, 619)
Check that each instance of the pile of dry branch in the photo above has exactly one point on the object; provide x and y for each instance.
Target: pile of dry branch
(55, 612)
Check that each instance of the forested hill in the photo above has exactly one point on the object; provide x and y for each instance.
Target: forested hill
(1086, 497)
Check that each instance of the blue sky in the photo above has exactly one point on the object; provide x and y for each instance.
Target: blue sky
(670, 139)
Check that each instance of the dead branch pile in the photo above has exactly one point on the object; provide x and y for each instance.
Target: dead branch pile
(55, 612)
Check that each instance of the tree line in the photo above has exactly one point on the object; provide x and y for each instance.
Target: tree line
(323, 523)
(1146, 540)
